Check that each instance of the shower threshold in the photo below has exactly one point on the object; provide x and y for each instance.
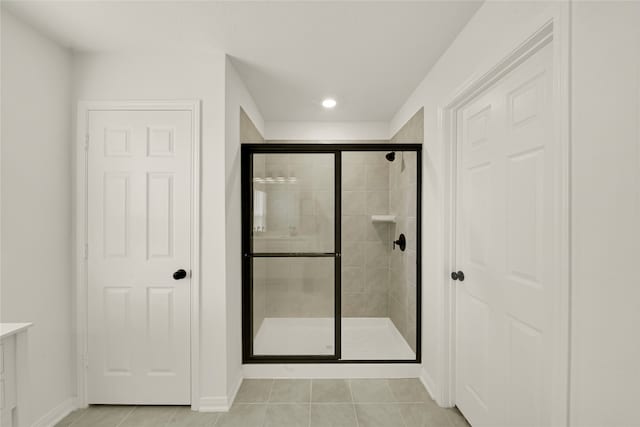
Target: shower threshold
(375, 338)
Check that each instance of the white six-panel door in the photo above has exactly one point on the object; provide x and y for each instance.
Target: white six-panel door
(139, 201)
(505, 234)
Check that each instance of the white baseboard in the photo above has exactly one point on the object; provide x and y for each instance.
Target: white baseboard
(214, 404)
(221, 403)
(56, 414)
(428, 383)
(236, 388)
(331, 370)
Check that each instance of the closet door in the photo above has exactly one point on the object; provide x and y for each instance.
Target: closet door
(139, 256)
(505, 248)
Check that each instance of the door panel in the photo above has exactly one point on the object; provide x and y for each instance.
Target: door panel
(160, 215)
(139, 198)
(505, 247)
(116, 214)
(476, 328)
(118, 330)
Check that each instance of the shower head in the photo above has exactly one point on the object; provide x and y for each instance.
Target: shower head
(390, 156)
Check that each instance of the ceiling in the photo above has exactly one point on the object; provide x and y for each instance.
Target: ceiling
(369, 56)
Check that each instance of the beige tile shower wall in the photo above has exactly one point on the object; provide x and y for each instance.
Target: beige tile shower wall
(299, 287)
(365, 245)
(403, 200)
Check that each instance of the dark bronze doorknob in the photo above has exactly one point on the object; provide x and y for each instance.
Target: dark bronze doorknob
(459, 275)
(180, 274)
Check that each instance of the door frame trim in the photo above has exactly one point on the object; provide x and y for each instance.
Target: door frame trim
(550, 27)
(80, 241)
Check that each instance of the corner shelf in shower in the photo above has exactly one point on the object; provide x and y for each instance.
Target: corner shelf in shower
(384, 218)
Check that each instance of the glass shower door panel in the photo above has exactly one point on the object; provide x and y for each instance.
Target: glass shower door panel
(293, 203)
(379, 277)
(293, 306)
(293, 255)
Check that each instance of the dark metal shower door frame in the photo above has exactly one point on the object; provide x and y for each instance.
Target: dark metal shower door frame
(247, 152)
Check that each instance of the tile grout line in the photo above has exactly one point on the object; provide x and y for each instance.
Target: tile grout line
(82, 415)
(215, 423)
(220, 415)
(126, 416)
(273, 381)
(353, 403)
(396, 402)
(310, 392)
(268, 402)
(175, 411)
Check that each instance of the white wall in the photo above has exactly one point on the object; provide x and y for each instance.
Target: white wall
(606, 213)
(237, 96)
(36, 207)
(605, 179)
(488, 36)
(184, 75)
(319, 131)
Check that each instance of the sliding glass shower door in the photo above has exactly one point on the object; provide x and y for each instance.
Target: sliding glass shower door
(291, 251)
(331, 250)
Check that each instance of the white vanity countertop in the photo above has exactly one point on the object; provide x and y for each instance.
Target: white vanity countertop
(8, 329)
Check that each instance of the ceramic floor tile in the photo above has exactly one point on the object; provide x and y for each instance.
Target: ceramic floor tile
(185, 417)
(371, 391)
(103, 416)
(330, 391)
(243, 415)
(71, 418)
(254, 391)
(379, 415)
(333, 415)
(287, 415)
(290, 391)
(149, 416)
(424, 415)
(408, 390)
(331, 406)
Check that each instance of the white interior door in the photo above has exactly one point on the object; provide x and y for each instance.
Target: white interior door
(139, 203)
(505, 246)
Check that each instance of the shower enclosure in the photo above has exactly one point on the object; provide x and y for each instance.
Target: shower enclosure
(331, 243)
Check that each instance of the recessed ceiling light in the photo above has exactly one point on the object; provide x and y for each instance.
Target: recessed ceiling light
(329, 103)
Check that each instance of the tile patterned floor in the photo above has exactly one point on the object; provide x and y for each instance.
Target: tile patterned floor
(291, 403)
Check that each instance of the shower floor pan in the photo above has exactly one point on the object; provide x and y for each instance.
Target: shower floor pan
(363, 338)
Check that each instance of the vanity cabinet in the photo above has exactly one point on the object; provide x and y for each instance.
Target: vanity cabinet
(13, 373)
